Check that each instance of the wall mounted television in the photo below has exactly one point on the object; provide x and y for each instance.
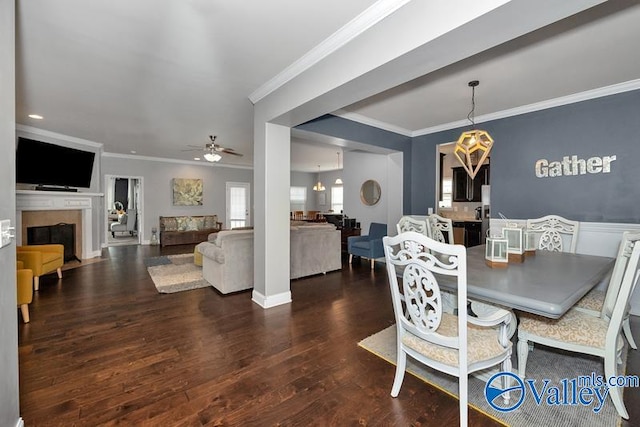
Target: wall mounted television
(45, 164)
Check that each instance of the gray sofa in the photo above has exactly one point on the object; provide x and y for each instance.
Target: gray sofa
(227, 259)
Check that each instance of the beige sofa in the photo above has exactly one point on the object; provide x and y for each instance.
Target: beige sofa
(227, 259)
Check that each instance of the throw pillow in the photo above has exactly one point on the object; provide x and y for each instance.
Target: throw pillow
(183, 222)
(210, 222)
(122, 218)
(170, 223)
(192, 224)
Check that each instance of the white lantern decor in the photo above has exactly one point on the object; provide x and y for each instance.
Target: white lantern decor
(515, 238)
(496, 254)
(529, 243)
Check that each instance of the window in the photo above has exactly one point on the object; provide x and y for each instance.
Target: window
(336, 199)
(297, 198)
(446, 193)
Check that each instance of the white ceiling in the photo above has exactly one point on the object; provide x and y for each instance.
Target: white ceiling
(155, 76)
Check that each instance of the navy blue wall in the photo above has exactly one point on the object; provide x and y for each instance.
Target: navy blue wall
(353, 131)
(599, 127)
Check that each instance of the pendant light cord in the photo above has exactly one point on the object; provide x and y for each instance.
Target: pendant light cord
(470, 116)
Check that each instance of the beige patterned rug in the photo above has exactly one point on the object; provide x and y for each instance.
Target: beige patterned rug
(175, 273)
(543, 363)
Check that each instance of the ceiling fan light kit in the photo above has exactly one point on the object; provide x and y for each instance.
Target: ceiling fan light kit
(213, 152)
(473, 146)
(212, 157)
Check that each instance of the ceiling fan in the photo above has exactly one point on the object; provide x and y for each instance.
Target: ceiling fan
(212, 151)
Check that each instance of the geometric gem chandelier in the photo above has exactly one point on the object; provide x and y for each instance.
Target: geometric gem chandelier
(473, 147)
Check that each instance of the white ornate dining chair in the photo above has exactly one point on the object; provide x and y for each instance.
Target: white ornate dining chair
(555, 233)
(456, 345)
(582, 333)
(408, 223)
(559, 234)
(596, 300)
(440, 228)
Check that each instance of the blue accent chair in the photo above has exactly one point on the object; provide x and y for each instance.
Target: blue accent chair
(369, 246)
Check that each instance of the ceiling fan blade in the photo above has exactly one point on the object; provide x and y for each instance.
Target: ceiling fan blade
(229, 151)
(193, 149)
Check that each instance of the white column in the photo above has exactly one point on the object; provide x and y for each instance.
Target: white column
(271, 176)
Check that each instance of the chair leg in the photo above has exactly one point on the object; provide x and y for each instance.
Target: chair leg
(614, 392)
(24, 309)
(523, 354)
(373, 263)
(506, 380)
(626, 327)
(59, 271)
(36, 282)
(350, 258)
(463, 389)
(401, 365)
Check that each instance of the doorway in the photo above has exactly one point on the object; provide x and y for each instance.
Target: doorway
(238, 202)
(123, 210)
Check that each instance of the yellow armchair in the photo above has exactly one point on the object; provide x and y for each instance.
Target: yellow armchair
(24, 279)
(41, 259)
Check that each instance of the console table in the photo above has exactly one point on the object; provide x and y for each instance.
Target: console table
(346, 232)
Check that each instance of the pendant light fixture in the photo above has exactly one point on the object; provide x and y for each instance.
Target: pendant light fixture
(319, 186)
(473, 146)
(338, 180)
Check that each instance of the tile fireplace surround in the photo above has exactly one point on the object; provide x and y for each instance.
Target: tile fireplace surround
(58, 207)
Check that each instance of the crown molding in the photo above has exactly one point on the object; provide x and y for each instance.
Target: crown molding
(54, 135)
(165, 160)
(372, 122)
(538, 106)
(365, 20)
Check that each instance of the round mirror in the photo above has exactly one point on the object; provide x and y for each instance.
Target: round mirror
(370, 192)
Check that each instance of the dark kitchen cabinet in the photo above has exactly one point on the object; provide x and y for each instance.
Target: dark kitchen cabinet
(467, 233)
(466, 189)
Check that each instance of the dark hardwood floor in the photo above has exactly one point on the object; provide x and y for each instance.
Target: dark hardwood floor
(103, 348)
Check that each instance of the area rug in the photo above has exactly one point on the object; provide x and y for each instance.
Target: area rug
(175, 273)
(543, 363)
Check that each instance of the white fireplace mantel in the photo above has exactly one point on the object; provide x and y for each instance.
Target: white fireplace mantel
(31, 200)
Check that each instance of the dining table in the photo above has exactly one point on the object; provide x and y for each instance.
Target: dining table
(546, 283)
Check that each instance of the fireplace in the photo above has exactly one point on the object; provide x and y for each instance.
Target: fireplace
(64, 234)
(47, 208)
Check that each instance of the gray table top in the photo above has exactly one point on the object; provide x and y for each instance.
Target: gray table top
(548, 283)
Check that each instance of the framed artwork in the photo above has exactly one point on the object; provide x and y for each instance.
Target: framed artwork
(187, 192)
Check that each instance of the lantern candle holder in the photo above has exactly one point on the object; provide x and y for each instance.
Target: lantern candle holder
(515, 238)
(530, 243)
(496, 253)
(154, 236)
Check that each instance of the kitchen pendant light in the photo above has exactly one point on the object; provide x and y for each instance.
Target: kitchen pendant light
(474, 145)
(338, 180)
(318, 186)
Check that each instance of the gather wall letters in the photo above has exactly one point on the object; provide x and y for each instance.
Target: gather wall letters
(571, 166)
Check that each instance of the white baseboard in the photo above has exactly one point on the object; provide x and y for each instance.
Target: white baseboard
(271, 300)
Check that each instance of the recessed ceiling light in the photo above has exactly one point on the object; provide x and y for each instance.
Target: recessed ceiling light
(133, 151)
(36, 116)
(196, 158)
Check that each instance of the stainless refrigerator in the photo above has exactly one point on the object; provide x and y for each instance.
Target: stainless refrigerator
(485, 212)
